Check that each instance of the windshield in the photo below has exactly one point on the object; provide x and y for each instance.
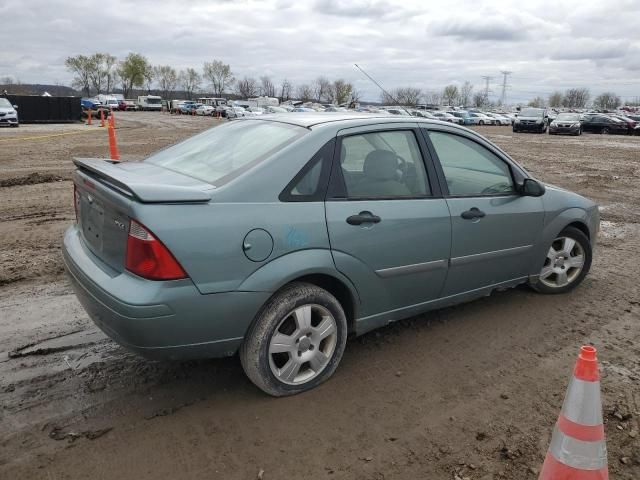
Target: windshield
(532, 112)
(568, 117)
(4, 103)
(222, 153)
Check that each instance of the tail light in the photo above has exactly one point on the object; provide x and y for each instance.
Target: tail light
(76, 202)
(147, 257)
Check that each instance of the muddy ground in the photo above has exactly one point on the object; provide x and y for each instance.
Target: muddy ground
(469, 392)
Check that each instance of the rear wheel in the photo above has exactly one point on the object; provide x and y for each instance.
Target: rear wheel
(567, 262)
(296, 341)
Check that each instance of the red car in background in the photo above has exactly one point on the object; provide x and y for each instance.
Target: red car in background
(122, 105)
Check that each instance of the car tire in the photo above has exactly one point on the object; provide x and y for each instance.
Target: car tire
(312, 332)
(579, 132)
(606, 131)
(480, 122)
(553, 275)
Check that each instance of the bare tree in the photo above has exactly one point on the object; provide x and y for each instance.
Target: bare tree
(167, 79)
(321, 88)
(190, 81)
(304, 92)
(450, 94)
(537, 102)
(480, 100)
(466, 93)
(267, 87)
(607, 101)
(110, 66)
(433, 98)
(219, 76)
(555, 99)
(576, 98)
(285, 90)
(247, 87)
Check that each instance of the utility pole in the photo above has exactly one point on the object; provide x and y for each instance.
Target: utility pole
(487, 90)
(505, 85)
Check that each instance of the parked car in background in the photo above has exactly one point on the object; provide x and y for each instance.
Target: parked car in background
(122, 105)
(131, 104)
(272, 109)
(601, 123)
(464, 115)
(90, 103)
(188, 108)
(235, 112)
(500, 119)
(631, 123)
(397, 111)
(239, 240)
(447, 117)
(109, 102)
(205, 110)
(256, 110)
(482, 119)
(302, 109)
(566, 123)
(531, 120)
(8, 113)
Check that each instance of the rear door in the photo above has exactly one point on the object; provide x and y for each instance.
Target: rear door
(389, 227)
(494, 228)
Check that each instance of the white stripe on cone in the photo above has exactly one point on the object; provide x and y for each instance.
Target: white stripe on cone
(577, 453)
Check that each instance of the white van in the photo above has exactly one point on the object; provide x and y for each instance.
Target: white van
(150, 102)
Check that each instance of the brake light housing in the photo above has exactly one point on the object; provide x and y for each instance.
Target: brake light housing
(148, 257)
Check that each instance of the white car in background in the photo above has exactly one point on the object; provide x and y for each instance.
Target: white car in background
(205, 110)
(447, 117)
(253, 111)
(483, 119)
(8, 113)
(501, 119)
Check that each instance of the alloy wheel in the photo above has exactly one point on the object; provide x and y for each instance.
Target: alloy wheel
(303, 344)
(564, 262)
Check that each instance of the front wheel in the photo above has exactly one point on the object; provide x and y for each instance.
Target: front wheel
(296, 341)
(567, 262)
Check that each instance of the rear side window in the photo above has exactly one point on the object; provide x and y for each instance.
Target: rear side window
(310, 184)
(222, 153)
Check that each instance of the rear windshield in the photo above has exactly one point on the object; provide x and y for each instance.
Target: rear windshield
(222, 153)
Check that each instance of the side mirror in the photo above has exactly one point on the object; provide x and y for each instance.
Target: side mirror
(532, 188)
(15, 107)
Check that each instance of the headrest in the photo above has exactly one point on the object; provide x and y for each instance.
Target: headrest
(381, 165)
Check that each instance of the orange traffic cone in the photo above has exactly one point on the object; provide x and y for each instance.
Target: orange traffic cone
(89, 117)
(578, 450)
(113, 146)
(112, 119)
(102, 118)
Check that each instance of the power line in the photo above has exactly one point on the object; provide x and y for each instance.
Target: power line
(487, 79)
(505, 85)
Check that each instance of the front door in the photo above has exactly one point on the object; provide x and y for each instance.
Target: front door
(494, 228)
(389, 227)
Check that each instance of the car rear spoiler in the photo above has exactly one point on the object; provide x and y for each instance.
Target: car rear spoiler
(146, 182)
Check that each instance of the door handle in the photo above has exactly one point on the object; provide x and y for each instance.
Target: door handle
(363, 217)
(473, 213)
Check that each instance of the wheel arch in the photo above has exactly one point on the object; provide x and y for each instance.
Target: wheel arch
(582, 227)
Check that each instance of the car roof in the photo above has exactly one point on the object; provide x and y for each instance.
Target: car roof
(345, 119)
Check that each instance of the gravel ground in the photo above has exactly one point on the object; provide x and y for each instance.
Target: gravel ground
(466, 392)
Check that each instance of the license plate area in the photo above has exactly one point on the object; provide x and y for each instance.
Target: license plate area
(93, 223)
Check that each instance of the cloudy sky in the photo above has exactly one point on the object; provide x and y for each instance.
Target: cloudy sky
(546, 44)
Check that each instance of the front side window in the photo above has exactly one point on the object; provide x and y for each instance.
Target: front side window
(469, 168)
(383, 165)
(221, 153)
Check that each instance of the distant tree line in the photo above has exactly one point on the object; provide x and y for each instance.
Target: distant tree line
(103, 73)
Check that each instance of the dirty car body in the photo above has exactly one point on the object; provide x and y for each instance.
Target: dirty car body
(384, 214)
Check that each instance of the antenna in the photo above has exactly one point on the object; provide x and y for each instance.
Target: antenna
(383, 90)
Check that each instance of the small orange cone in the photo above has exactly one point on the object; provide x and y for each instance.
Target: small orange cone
(102, 118)
(578, 449)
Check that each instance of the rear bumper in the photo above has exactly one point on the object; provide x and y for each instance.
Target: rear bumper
(168, 320)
